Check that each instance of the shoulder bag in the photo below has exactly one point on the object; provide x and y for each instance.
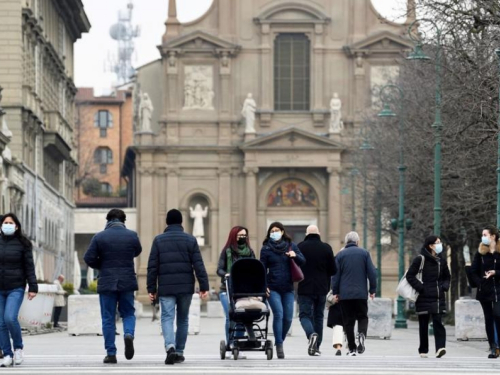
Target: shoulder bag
(404, 288)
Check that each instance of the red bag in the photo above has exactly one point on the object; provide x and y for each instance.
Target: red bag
(296, 271)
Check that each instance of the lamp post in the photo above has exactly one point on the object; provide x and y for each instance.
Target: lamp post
(354, 172)
(497, 51)
(365, 147)
(378, 239)
(387, 112)
(418, 54)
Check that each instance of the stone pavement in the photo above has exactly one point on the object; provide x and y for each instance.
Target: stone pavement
(59, 353)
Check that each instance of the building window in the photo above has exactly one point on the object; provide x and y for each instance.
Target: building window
(103, 120)
(106, 188)
(103, 156)
(292, 55)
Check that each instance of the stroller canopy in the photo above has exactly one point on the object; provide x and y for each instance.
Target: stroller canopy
(248, 276)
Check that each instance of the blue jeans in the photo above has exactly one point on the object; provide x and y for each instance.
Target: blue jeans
(282, 307)
(177, 339)
(125, 302)
(10, 304)
(312, 314)
(225, 306)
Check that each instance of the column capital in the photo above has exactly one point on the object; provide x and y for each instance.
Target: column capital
(173, 171)
(249, 171)
(334, 170)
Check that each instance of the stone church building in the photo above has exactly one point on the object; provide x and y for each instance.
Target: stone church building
(286, 155)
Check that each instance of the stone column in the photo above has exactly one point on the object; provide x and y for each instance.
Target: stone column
(251, 201)
(145, 227)
(266, 66)
(334, 208)
(224, 205)
(172, 188)
(359, 84)
(319, 76)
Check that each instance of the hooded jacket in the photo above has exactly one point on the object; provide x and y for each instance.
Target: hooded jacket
(435, 282)
(484, 260)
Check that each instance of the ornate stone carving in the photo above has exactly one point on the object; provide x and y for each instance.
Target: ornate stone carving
(336, 124)
(198, 214)
(146, 112)
(248, 112)
(198, 87)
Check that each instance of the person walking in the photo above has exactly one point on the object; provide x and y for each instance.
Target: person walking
(354, 267)
(16, 270)
(112, 252)
(431, 301)
(485, 274)
(277, 252)
(237, 246)
(312, 291)
(174, 255)
(59, 300)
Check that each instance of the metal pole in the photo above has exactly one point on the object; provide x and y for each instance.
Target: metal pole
(438, 126)
(353, 200)
(365, 208)
(497, 51)
(379, 242)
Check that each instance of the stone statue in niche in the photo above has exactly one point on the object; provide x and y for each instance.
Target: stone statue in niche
(198, 214)
(146, 112)
(336, 124)
(248, 112)
(198, 87)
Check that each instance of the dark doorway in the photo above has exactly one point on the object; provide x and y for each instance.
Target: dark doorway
(296, 232)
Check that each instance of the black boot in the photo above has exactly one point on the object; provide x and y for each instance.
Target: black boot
(110, 359)
(280, 352)
(493, 352)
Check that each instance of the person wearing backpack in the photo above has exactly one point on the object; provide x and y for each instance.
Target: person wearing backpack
(431, 302)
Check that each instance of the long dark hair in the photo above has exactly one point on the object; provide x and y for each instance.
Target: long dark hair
(19, 232)
(232, 238)
(430, 240)
(277, 224)
(493, 231)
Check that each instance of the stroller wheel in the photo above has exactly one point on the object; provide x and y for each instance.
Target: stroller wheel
(222, 349)
(236, 352)
(269, 353)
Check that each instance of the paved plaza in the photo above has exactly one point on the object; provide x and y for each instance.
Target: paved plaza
(59, 353)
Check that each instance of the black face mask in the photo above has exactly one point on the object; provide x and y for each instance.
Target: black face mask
(242, 240)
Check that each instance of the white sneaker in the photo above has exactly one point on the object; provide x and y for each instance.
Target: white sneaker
(424, 355)
(18, 357)
(7, 361)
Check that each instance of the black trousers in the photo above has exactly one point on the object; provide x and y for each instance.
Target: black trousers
(354, 310)
(57, 314)
(423, 330)
(491, 319)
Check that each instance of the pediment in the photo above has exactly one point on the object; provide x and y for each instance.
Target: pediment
(200, 41)
(380, 43)
(292, 12)
(292, 138)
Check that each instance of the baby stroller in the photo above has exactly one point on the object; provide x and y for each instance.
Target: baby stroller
(247, 280)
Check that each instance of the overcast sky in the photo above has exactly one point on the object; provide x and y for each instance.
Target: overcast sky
(96, 48)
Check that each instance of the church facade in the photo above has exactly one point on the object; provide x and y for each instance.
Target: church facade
(256, 105)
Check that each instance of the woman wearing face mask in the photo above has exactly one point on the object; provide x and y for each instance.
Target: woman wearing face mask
(236, 247)
(16, 270)
(431, 302)
(485, 275)
(276, 254)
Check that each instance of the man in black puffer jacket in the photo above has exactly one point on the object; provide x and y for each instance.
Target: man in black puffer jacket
(112, 252)
(174, 255)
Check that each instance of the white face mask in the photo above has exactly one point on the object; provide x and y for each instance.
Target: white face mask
(275, 236)
(8, 229)
(485, 240)
(438, 248)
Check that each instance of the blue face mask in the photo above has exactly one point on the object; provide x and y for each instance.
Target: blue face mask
(275, 236)
(439, 248)
(486, 240)
(8, 229)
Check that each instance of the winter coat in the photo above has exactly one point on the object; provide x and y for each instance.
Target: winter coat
(435, 282)
(335, 316)
(222, 265)
(112, 252)
(484, 260)
(174, 255)
(59, 300)
(16, 265)
(277, 264)
(354, 267)
(319, 267)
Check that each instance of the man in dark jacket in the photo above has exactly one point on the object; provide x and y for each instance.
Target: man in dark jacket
(354, 268)
(112, 252)
(312, 291)
(174, 255)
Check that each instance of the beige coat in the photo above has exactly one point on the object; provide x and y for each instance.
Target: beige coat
(59, 300)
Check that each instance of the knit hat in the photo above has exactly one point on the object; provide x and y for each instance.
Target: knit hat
(174, 217)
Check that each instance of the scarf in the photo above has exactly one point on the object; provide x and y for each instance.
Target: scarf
(279, 247)
(114, 223)
(242, 252)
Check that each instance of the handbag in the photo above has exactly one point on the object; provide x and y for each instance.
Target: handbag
(330, 301)
(297, 274)
(404, 288)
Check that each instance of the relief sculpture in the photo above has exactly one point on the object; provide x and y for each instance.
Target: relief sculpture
(198, 87)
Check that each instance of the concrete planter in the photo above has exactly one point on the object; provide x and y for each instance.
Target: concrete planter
(37, 313)
(380, 318)
(84, 315)
(469, 320)
(215, 310)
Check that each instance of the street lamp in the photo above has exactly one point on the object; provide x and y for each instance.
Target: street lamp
(366, 146)
(354, 172)
(387, 112)
(418, 54)
(497, 51)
